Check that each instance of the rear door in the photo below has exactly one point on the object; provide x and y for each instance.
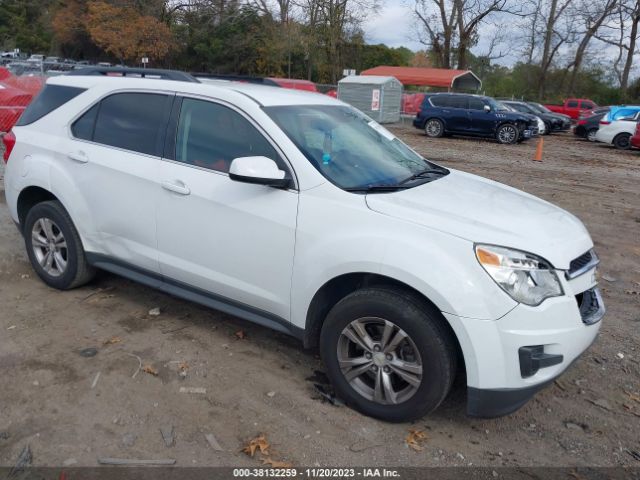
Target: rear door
(453, 109)
(114, 155)
(233, 240)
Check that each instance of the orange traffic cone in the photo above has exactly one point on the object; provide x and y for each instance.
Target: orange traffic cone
(538, 156)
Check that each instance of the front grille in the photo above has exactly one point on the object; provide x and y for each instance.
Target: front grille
(584, 262)
(591, 306)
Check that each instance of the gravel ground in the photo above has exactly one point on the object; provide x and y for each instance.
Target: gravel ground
(71, 409)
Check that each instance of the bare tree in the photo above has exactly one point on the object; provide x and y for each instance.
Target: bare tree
(438, 19)
(592, 16)
(627, 23)
(555, 34)
(450, 27)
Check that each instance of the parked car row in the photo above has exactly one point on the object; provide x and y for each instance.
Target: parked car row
(615, 125)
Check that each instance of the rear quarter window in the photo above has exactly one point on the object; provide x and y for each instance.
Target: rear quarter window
(50, 98)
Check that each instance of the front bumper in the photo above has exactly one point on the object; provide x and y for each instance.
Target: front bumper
(500, 378)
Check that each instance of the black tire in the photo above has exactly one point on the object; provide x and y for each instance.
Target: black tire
(76, 270)
(622, 141)
(423, 325)
(547, 128)
(507, 134)
(434, 128)
(591, 134)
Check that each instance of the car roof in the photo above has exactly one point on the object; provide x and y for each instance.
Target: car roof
(261, 94)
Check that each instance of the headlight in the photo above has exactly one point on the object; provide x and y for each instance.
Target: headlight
(525, 277)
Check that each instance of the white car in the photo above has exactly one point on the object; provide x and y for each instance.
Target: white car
(295, 211)
(619, 132)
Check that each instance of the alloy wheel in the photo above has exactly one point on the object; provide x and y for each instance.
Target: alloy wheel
(507, 134)
(49, 246)
(434, 128)
(379, 360)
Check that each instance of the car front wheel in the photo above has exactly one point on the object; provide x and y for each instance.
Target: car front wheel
(591, 134)
(388, 354)
(507, 134)
(54, 247)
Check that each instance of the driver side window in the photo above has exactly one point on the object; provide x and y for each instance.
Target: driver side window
(211, 135)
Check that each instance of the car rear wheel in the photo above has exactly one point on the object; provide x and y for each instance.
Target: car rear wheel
(434, 128)
(388, 354)
(54, 247)
(507, 134)
(591, 134)
(622, 141)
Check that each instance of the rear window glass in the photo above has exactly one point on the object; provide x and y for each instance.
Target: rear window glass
(572, 104)
(132, 121)
(50, 98)
(458, 101)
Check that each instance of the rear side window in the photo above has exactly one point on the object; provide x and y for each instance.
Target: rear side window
(440, 101)
(132, 121)
(50, 98)
(572, 104)
(458, 101)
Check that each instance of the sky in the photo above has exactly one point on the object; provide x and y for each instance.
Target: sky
(395, 26)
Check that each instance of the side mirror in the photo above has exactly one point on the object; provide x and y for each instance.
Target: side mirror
(258, 170)
(487, 108)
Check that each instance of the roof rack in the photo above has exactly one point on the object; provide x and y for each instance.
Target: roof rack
(237, 78)
(155, 73)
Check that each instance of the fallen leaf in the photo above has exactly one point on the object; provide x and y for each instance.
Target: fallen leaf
(633, 396)
(183, 366)
(112, 340)
(276, 463)
(415, 438)
(240, 335)
(258, 443)
(150, 370)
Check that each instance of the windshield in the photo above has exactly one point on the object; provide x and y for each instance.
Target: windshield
(539, 108)
(351, 150)
(503, 107)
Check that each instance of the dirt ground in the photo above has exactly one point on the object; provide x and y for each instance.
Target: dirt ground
(52, 398)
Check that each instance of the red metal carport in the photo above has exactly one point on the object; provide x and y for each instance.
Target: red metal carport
(430, 77)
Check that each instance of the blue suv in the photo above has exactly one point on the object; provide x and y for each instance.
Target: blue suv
(454, 113)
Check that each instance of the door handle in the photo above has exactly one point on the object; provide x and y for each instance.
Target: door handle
(79, 157)
(176, 187)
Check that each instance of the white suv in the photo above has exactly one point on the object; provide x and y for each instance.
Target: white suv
(295, 211)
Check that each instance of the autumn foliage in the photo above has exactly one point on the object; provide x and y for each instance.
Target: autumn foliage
(120, 30)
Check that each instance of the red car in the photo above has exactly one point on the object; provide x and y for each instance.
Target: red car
(635, 139)
(295, 84)
(573, 107)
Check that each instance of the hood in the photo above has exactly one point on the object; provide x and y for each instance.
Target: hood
(483, 211)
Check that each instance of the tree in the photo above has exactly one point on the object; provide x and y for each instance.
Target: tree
(592, 15)
(125, 33)
(556, 33)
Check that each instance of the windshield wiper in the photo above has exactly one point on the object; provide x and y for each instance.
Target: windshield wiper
(376, 188)
(423, 173)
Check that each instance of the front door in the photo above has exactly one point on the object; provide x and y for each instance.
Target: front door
(233, 240)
